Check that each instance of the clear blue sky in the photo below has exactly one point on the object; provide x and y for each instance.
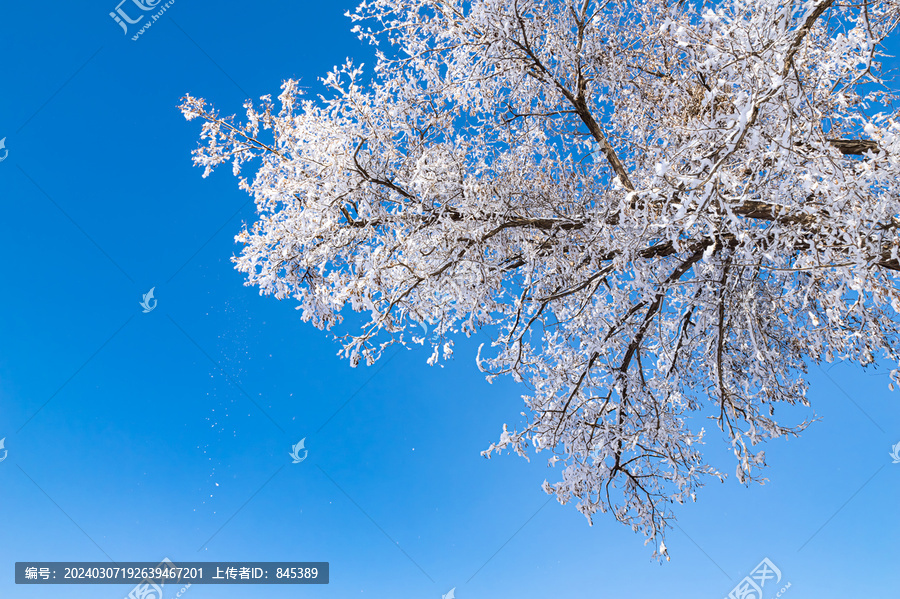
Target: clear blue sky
(133, 436)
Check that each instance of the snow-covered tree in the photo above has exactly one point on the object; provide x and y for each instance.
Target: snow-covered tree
(660, 211)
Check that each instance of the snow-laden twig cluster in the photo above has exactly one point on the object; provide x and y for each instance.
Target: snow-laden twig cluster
(658, 210)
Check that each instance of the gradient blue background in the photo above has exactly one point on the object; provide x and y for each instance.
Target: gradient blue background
(149, 443)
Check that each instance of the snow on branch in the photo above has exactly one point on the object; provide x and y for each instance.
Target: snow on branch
(661, 213)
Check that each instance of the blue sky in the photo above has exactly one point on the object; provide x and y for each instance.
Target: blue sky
(137, 436)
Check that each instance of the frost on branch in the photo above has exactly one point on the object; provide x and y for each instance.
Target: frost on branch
(661, 213)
